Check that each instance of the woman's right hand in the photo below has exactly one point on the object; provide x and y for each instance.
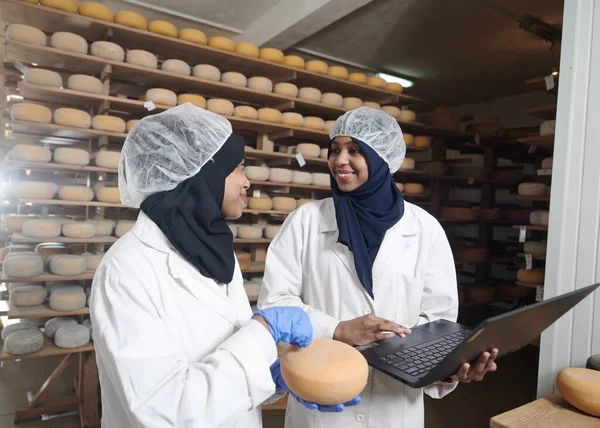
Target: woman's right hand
(367, 329)
(289, 324)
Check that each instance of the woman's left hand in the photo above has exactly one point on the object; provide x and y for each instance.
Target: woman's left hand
(476, 372)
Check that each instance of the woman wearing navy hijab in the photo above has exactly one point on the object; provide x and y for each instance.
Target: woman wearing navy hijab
(367, 265)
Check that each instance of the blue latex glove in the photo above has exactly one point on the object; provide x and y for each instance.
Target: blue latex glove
(278, 379)
(289, 324)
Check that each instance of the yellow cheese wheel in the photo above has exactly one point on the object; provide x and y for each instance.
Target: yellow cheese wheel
(358, 78)
(247, 49)
(197, 100)
(328, 125)
(109, 194)
(83, 83)
(314, 123)
(408, 164)
(413, 188)
(332, 99)
(294, 119)
(294, 61)
(131, 19)
(581, 388)
(317, 66)
(400, 186)
(70, 42)
(261, 84)
(161, 96)
(222, 43)
(350, 103)
(108, 159)
(31, 112)
(234, 78)
(96, 10)
(66, 5)
(271, 54)
(270, 115)
(376, 82)
(310, 94)
(407, 116)
(422, 142)
(372, 104)
(535, 277)
(327, 372)
(338, 71)
(394, 87)
(392, 111)
(246, 112)
(26, 34)
(131, 123)
(72, 117)
(281, 203)
(309, 150)
(408, 139)
(42, 77)
(108, 123)
(260, 203)
(192, 35)
(271, 231)
(287, 89)
(220, 106)
(164, 28)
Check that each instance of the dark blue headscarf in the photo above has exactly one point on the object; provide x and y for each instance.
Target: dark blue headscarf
(364, 215)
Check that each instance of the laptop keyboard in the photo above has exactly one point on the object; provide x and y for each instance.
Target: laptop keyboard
(420, 359)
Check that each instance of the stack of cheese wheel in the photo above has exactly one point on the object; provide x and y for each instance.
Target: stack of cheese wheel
(34, 190)
(67, 265)
(281, 203)
(249, 232)
(131, 123)
(29, 153)
(535, 247)
(338, 72)
(263, 202)
(413, 188)
(280, 175)
(257, 173)
(533, 277)
(23, 265)
(539, 218)
(533, 189)
(108, 123)
(458, 214)
(321, 179)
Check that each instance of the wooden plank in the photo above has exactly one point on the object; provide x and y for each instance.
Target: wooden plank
(524, 284)
(546, 141)
(545, 112)
(49, 350)
(39, 166)
(255, 267)
(291, 185)
(19, 238)
(277, 408)
(534, 198)
(71, 203)
(25, 414)
(261, 154)
(533, 256)
(55, 373)
(42, 311)
(531, 227)
(89, 396)
(48, 277)
(59, 131)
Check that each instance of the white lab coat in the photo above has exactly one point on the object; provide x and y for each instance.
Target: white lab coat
(414, 282)
(174, 348)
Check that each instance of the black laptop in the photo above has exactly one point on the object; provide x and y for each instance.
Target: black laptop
(436, 350)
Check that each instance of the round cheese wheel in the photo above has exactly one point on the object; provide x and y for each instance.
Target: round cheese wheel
(372, 104)
(108, 123)
(207, 71)
(68, 156)
(163, 28)
(222, 43)
(535, 247)
(42, 77)
(294, 61)
(332, 99)
(400, 186)
(20, 326)
(14, 223)
(548, 128)
(192, 35)
(310, 94)
(301, 202)
(539, 218)
(34, 190)
(314, 123)
(284, 204)
(351, 103)
(317, 66)
(72, 117)
(131, 123)
(26, 34)
(67, 301)
(270, 115)
(123, 227)
(409, 139)
(309, 150)
(24, 342)
(358, 78)
(161, 96)
(63, 287)
(53, 324)
(235, 79)
(141, 58)
(176, 66)
(422, 142)
(260, 203)
(27, 153)
(31, 112)
(103, 227)
(329, 124)
(532, 189)
(413, 188)
(257, 173)
(67, 265)
(535, 277)
(49, 250)
(287, 89)
(376, 82)
(293, 119)
(271, 231)
(547, 163)
(197, 100)
(23, 266)
(246, 112)
(271, 54)
(83, 83)
(249, 232)
(75, 193)
(66, 5)
(79, 230)
(69, 42)
(107, 50)
(324, 154)
(108, 159)
(394, 87)
(261, 84)
(109, 195)
(72, 336)
(247, 49)
(280, 175)
(300, 177)
(392, 111)
(407, 116)
(321, 179)
(581, 388)
(96, 10)
(338, 71)
(327, 372)
(29, 252)
(408, 164)
(220, 106)
(131, 19)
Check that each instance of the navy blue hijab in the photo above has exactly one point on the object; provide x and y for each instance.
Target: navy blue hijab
(364, 215)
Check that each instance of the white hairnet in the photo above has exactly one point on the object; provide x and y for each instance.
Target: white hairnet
(165, 149)
(375, 128)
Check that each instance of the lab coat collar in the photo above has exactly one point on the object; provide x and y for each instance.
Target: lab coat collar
(150, 234)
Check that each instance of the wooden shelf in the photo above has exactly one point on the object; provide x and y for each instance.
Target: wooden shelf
(524, 284)
(533, 256)
(38, 166)
(255, 267)
(19, 238)
(545, 141)
(531, 227)
(260, 154)
(48, 277)
(252, 241)
(71, 203)
(290, 185)
(42, 311)
(534, 198)
(414, 195)
(49, 350)
(546, 112)
(57, 131)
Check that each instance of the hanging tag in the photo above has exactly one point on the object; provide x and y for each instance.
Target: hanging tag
(300, 159)
(549, 82)
(477, 138)
(528, 262)
(22, 68)
(149, 105)
(522, 233)
(471, 181)
(544, 172)
(532, 150)
(539, 293)
(256, 193)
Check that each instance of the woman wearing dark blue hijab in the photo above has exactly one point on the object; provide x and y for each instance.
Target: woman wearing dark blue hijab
(366, 265)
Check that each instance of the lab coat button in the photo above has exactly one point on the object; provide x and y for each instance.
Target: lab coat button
(360, 417)
(367, 311)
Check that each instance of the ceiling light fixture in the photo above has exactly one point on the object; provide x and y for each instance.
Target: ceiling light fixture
(395, 79)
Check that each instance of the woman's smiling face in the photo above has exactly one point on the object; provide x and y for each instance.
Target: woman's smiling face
(347, 164)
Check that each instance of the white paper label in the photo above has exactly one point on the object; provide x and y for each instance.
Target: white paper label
(528, 262)
(532, 150)
(549, 82)
(477, 138)
(471, 181)
(149, 105)
(539, 293)
(544, 172)
(300, 159)
(522, 233)
(256, 193)
(19, 66)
